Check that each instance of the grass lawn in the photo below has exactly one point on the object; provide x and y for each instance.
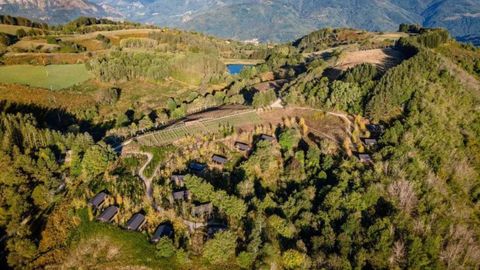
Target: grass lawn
(107, 246)
(52, 77)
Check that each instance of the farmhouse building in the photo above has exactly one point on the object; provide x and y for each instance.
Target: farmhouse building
(108, 214)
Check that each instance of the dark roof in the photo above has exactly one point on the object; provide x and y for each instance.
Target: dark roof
(178, 179)
(165, 229)
(108, 214)
(98, 199)
(219, 159)
(135, 222)
(265, 137)
(181, 195)
(200, 209)
(242, 146)
(365, 158)
(376, 129)
(197, 167)
(214, 229)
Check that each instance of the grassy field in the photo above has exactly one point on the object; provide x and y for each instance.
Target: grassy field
(52, 77)
(203, 127)
(103, 246)
(12, 29)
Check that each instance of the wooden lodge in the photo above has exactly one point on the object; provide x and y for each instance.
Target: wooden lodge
(136, 222)
(243, 146)
(164, 230)
(219, 160)
(108, 214)
(97, 201)
(202, 209)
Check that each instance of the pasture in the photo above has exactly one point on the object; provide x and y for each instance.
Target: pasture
(210, 126)
(12, 29)
(53, 77)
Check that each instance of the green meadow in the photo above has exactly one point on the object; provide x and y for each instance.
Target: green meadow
(52, 77)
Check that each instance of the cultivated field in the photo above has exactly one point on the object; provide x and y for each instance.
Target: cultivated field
(199, 127)
(383, 58)
(52, 77)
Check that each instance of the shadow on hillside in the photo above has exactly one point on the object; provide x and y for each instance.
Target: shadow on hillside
(57, 119)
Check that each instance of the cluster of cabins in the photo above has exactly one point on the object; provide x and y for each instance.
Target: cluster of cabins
(375, 132)
(135, 223)
(108, 213)
(206, 209)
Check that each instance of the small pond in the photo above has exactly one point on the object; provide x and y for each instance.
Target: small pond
(235, 69)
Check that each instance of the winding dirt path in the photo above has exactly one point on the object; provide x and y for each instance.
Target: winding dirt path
(146, 180)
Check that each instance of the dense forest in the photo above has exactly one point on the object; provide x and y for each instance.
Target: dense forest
(296, 201)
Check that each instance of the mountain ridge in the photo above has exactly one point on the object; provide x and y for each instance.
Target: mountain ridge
(276, 21)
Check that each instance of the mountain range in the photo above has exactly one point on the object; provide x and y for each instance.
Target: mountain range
(265, 20)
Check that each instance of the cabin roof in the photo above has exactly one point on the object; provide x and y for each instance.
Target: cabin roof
(214, 229)
(178, 176)
(370, 141)
(365, 158)
(219, 159)
(197, 167)
(135, 222)
(181, 195)
(165, 229)
(202, 209)
(98, 199)
(242, 146)
(376, 129)
(265, 137)
(108, 214)
(178, 179)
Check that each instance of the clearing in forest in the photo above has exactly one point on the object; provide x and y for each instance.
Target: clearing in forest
(53, 77)
(382, 58)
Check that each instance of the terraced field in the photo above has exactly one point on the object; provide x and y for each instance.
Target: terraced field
(201, 127)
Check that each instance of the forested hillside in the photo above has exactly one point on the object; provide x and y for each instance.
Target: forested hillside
(342, 149)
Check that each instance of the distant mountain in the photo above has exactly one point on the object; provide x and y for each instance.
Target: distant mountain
(266, 20)
(51, 11)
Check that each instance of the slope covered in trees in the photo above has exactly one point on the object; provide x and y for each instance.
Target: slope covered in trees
(298, 200)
